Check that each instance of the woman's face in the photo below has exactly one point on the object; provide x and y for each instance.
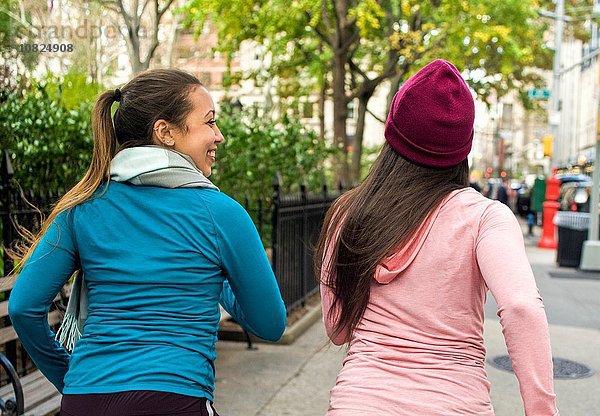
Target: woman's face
(202, 136)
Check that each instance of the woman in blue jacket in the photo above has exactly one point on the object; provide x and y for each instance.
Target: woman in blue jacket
(159, 247)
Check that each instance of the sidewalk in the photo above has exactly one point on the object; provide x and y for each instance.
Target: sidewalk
(294, 380)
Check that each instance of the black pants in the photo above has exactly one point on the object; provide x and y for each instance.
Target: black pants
(135, 403)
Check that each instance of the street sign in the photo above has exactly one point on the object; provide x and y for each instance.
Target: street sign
(538, 94)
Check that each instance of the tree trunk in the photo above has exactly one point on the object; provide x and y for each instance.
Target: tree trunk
(322, 98)
(133, 46)
(171, 41)
(357, 144)
(339, 117)
(394, 86)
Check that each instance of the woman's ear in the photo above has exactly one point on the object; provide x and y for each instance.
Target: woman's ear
(162, 133)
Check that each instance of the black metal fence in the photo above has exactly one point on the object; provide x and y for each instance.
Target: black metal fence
(16, 212)
(297, 221)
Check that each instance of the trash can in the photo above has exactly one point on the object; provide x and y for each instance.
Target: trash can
(572, 232)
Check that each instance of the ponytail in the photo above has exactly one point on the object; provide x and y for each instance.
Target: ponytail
(105, 147)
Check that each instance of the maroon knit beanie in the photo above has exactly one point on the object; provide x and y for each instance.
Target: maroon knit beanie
(431, 117)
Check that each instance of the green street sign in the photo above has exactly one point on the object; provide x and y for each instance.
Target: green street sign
(538, 94)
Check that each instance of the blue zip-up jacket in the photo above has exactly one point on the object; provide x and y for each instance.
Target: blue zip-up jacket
(157, 262)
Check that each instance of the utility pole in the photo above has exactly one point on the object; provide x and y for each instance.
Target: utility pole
(556, 73)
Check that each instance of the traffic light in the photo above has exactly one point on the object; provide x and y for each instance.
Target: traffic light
(489, 170)
(547, 143)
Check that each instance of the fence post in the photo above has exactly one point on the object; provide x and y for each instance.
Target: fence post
(247, 202)
(260, 216)
(275, 220)
(305, 243)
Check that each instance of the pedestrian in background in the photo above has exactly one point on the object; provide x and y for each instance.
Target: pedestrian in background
(473, 183)
(159, 247)
(502, 194)
(406, 259)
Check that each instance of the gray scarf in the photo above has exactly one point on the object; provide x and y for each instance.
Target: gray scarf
(145, 165)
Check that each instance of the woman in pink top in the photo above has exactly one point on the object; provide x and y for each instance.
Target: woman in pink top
(406, 260)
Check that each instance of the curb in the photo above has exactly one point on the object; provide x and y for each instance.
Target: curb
(291, 333)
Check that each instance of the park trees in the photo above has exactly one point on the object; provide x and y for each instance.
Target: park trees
(357, 45)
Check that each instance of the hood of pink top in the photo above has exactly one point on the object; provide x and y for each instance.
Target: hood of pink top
(395, 264)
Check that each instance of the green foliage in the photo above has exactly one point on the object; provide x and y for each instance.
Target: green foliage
(8, 30)
(50, 144)
(72, 89)
(255, 150)
(15, 28)
(297, 59)
(500, 38)
(497, 43)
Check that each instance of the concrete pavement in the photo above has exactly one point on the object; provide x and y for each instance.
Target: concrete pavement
(294, 380)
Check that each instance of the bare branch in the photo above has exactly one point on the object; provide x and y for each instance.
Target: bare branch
(350, 23)
(164, 9)
(382, 121)
(356, 69)
(108, 3)
(389, 16)
(154, 44)
(113, 7)
(390, 70)
(323, 37)
(123, 12)
(135, 5)
(417, 21)
(22, 22)
(143, 8)
(336, 11)
(351, 40)
(327, 22)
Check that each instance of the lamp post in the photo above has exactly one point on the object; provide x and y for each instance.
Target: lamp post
(556, 73)
(590, 255)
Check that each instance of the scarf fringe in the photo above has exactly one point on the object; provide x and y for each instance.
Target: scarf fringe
(68, 334)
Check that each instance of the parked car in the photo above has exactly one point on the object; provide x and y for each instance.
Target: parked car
(575, 195)
(572, 177)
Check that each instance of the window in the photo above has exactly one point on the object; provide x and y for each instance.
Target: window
(507, 114)
(308, 110)
(351, 111)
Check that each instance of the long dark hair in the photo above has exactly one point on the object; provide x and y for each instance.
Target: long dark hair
(372, 221)
(150, 96)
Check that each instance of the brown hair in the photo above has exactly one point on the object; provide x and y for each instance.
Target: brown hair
(371, 222)
(150, 96)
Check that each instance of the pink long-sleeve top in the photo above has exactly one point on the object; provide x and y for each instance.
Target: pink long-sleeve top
(418, 349)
